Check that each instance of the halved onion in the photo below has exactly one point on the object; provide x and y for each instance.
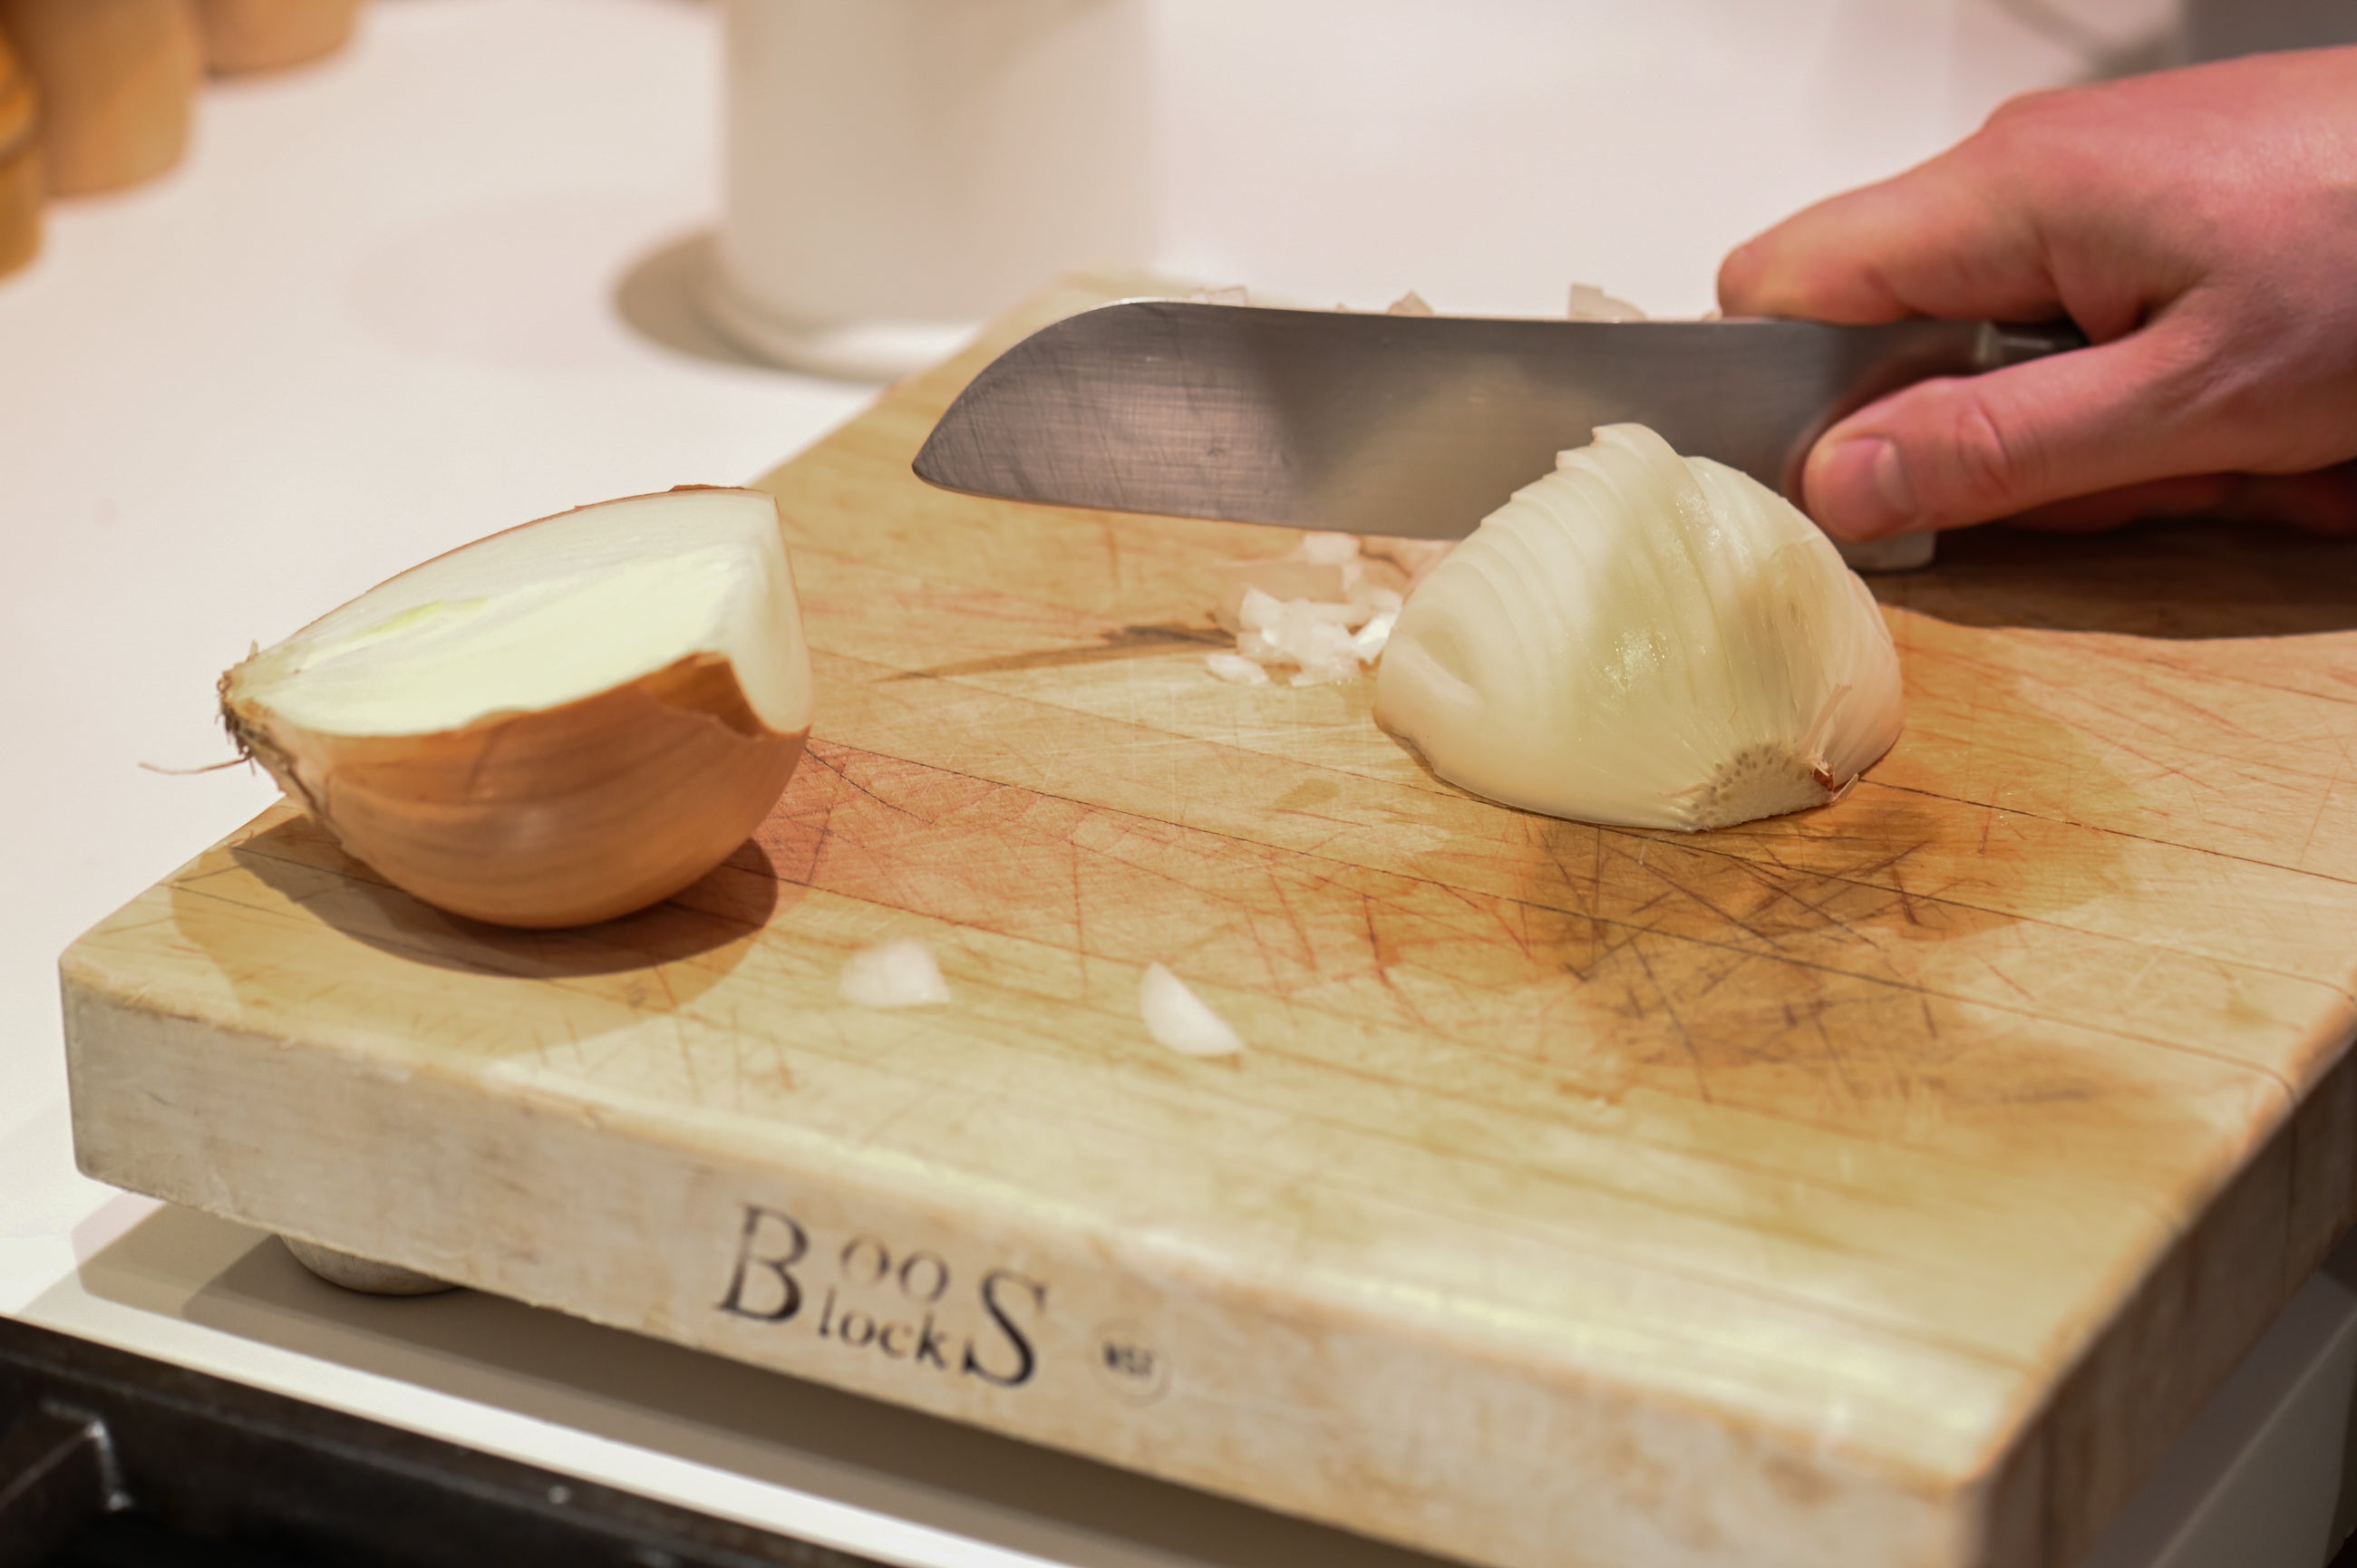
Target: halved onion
(559, 724)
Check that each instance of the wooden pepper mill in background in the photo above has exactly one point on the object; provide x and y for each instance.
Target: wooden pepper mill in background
(268, 35)
(20, 164)
(118, 79)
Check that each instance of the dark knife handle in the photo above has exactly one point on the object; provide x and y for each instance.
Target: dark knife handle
(1896, 356)
(2003, 344)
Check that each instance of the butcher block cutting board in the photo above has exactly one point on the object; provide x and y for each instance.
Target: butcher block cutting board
(1883, 1185)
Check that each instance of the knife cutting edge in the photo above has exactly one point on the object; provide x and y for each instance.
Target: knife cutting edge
(1408, 425)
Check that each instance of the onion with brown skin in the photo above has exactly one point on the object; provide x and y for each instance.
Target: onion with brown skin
(592, 762)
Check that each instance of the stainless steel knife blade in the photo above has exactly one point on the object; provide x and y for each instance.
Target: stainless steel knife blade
(1414, 425)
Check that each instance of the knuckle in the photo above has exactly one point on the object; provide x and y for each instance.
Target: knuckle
(2044, 144)
(1988, 461)
(2027, 110)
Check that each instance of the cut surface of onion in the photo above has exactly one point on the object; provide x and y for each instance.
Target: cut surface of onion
(898, 974)
(1181, 1021)
(1644, 639)
(559, 724)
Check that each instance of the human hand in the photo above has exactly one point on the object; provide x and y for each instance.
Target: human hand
(2199, 226)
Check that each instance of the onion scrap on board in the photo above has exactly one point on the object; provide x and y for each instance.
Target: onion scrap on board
(903, 972)
(1181, 1021)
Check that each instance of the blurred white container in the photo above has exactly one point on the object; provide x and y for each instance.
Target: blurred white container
(898, 170)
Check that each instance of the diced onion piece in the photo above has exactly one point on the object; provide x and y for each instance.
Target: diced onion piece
(898, 974)
(1326, 671)
(1316, 638)
(1590, 303)
(1180, 1020)
(1311, 632)
(1262, 612)
(1284, 577)
(1236, 669)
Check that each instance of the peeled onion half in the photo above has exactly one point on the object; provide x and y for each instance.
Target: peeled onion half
(1648, 640)
(557, 725)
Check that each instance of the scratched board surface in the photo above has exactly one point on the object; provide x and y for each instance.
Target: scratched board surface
(1883, 1184)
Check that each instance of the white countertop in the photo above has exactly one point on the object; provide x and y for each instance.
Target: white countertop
(423, 292)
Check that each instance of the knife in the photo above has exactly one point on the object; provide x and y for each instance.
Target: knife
(1412, 425)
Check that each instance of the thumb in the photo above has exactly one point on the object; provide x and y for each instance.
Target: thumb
(1944, 454)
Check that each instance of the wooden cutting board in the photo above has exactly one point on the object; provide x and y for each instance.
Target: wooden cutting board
(1883, 1185)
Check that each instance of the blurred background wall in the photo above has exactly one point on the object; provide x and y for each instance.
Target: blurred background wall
(937, 159)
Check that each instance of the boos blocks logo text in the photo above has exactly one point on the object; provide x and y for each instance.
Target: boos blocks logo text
(866, 1297)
